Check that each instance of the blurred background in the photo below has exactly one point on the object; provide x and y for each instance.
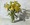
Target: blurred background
(5, 20)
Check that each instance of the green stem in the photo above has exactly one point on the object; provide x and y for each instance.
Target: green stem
(12, 16)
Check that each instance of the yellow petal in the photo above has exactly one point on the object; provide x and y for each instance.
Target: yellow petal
(6, 5)
(11, 9)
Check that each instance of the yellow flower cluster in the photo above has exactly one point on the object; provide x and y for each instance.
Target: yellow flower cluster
(13, 6)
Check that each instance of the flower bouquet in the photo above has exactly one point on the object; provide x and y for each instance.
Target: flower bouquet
(13, 7)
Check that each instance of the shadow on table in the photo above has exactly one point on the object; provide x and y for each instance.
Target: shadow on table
(23, 17)
(18, 21)
(21, 20)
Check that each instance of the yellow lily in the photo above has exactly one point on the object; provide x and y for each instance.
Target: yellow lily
(6, 5)
(11, 8)
(17, 9)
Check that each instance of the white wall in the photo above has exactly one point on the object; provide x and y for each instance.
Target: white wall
(24, 4)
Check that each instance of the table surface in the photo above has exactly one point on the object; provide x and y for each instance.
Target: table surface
(6, 21)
